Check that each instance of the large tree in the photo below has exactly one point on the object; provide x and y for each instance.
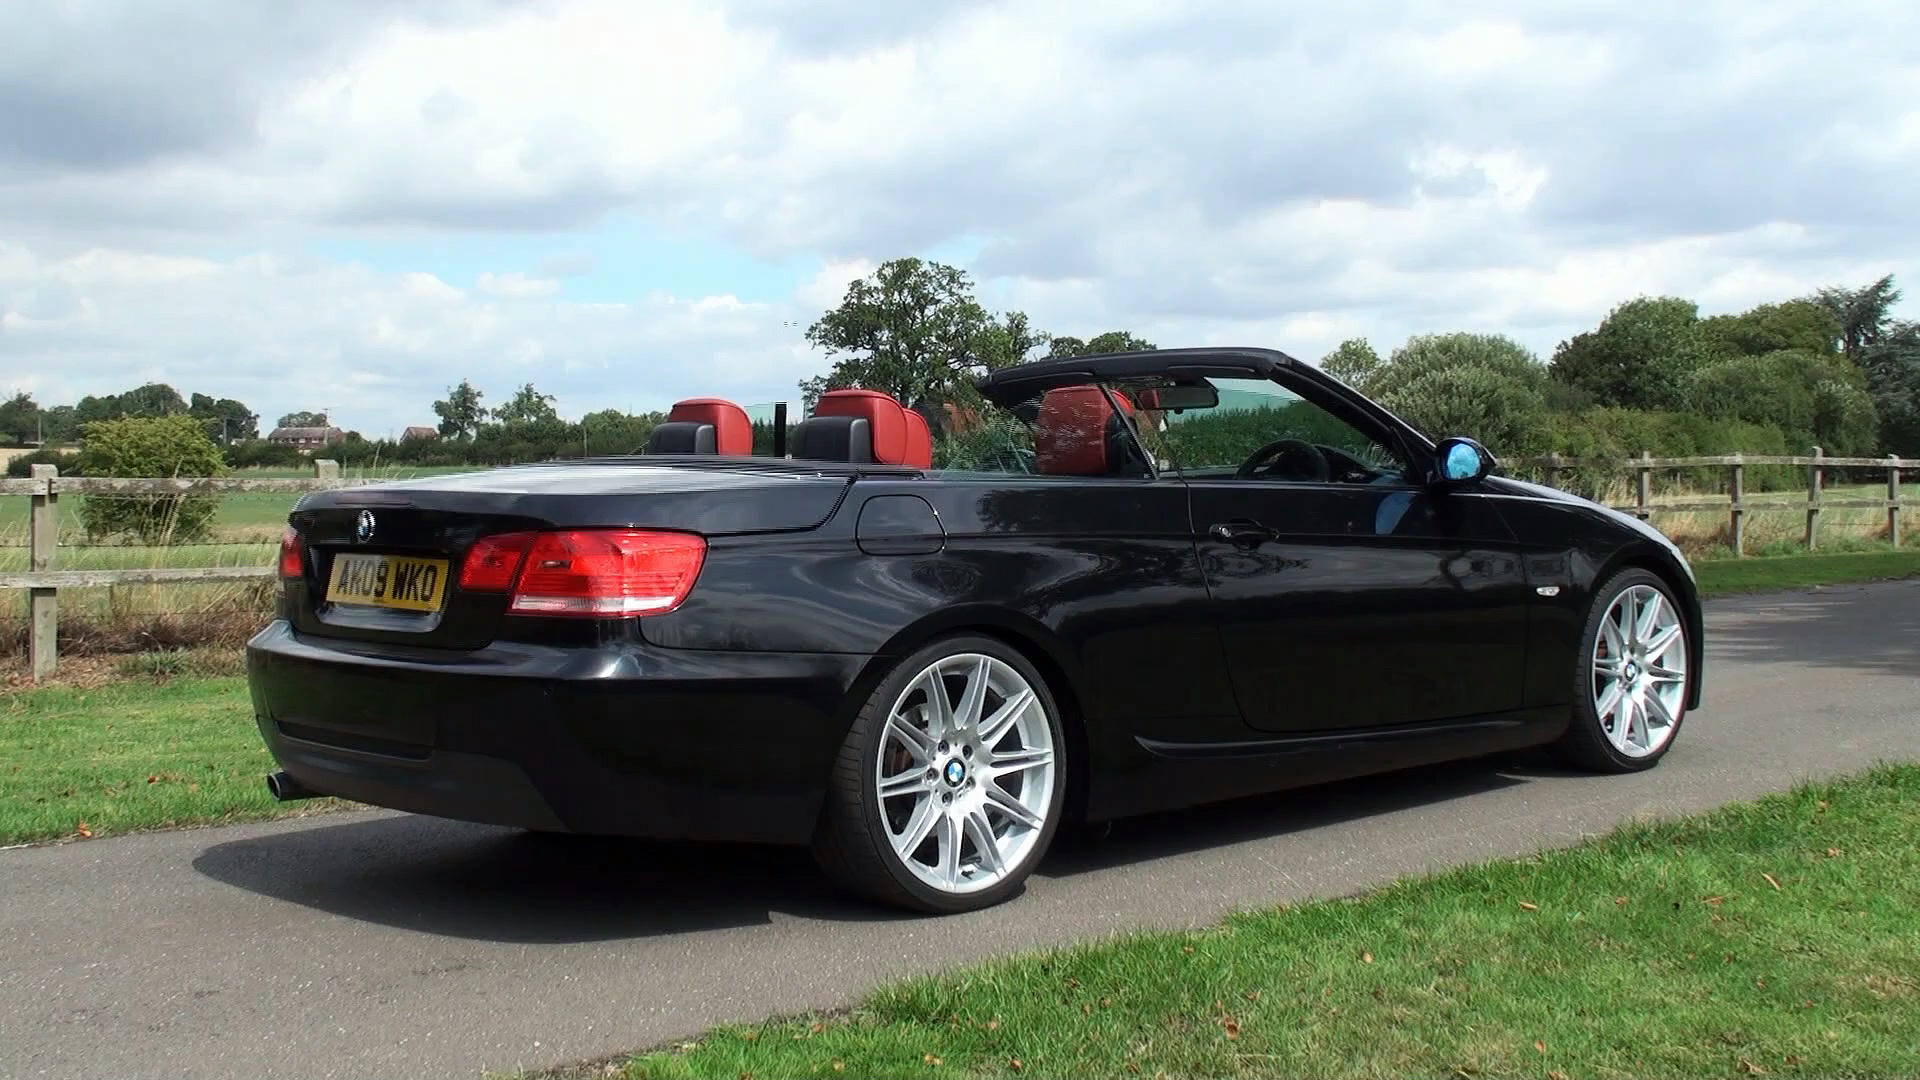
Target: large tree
(914, 330)
(228, 421)
(20, 420)
(303, 419)
(527, 406)
(1353, 362)
(1864, 315)
(1484, 386)
(1892, 367)
(1639, 356)
(460, 412)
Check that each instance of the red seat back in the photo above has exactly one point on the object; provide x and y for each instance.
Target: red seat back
(919, 441)
(733, 432)
(1073, 433)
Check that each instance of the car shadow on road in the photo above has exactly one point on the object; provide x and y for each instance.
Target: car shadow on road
(484, 883)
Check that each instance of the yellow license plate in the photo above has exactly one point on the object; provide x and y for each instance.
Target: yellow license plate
(389, 581)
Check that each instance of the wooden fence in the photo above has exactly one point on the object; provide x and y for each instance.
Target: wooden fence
(1735, 504)
(45, 580)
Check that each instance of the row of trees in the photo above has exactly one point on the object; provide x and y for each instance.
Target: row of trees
(23, 421)
(1833, 369)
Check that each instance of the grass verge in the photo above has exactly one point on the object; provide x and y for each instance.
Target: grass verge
(131, 756)
(1772, 938)
(1727, 577)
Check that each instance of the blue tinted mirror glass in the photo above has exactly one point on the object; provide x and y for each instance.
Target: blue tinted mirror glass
(1463, 462)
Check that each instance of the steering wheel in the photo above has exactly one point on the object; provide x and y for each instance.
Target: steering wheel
(1307, 454)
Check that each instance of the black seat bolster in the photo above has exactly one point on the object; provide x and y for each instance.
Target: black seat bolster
(682, 437)
(834, 438)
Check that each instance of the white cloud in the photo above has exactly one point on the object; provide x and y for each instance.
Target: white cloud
(1241, 171)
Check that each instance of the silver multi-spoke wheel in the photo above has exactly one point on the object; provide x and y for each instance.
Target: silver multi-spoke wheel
(966, 773)
(1639, 682)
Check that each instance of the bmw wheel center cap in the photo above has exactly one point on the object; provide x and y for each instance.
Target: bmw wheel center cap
(956, 772)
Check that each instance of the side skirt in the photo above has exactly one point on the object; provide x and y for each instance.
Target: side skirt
(1165, 775)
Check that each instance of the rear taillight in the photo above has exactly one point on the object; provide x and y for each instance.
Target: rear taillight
(492, 562)
(293, 554)
(598, 573)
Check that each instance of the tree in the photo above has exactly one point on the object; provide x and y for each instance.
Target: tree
(460, 412)
(1353, 362)
(303, 419)
(227, 420)
(912, 329)
(153, 399)
(20, 420)
(1639, 355)
(1113, 341)
(1485, 386)
(60, 424)
(1892, 367)
(527, 406)
(1008, 341)
(1796, 324)
(1864, 315)
(160, 446)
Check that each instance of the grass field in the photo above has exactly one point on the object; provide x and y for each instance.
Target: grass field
(1775, 938)
(1726, 577)
(128, 756)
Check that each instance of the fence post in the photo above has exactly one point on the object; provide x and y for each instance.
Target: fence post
(1813, 498)
(324, 469)
(1552, 472)
(43, 624)
(1643, 487)
(1737, 488)
(1893, 499)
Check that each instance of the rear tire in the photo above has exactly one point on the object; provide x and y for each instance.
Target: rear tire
(950, 784)
(1630, 677)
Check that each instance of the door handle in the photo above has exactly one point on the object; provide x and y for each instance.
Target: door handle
(1242, 532)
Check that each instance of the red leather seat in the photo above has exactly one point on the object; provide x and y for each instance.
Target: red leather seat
(703, 426)
(894, 434)
(1078, 433)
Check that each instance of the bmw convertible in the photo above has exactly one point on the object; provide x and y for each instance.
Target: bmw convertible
(922, 639)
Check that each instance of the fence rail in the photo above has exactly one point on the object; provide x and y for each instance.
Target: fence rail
(44, 487)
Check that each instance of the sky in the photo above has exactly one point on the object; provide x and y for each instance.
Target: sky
(350, 205)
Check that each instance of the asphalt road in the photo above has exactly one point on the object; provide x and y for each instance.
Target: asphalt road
(380, 945)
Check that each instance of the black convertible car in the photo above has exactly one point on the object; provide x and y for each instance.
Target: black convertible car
(921, 640)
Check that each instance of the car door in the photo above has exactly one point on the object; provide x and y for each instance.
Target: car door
(1347, 595)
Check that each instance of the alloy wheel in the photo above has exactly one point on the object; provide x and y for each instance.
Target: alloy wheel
(1639, 682)
(965, 773)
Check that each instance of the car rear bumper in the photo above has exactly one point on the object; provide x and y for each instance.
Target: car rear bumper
(621, 740)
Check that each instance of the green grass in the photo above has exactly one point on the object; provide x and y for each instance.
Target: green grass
(1775, 938)
(130, 756)
(1726, 577)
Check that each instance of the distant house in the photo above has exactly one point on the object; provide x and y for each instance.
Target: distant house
(418, 432)
(306, 438)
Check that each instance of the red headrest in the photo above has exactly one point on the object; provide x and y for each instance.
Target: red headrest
(1070, 432)
(895, 440)
(732, 431)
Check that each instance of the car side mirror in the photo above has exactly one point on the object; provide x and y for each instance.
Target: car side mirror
(1458, 462)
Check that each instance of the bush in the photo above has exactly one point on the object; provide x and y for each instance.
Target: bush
(67, 461)
(157, 446)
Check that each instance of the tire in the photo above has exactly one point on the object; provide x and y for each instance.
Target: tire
(1641, 670)
(1002, 789)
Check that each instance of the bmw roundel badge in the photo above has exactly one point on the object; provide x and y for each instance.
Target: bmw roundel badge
(363, 529)
(956, 772)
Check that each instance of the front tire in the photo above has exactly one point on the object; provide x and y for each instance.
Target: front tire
(950, 784)
(1630, 677)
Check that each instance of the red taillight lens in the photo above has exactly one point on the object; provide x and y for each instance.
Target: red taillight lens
(608, 572)
(492, 562)
(293, 554)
